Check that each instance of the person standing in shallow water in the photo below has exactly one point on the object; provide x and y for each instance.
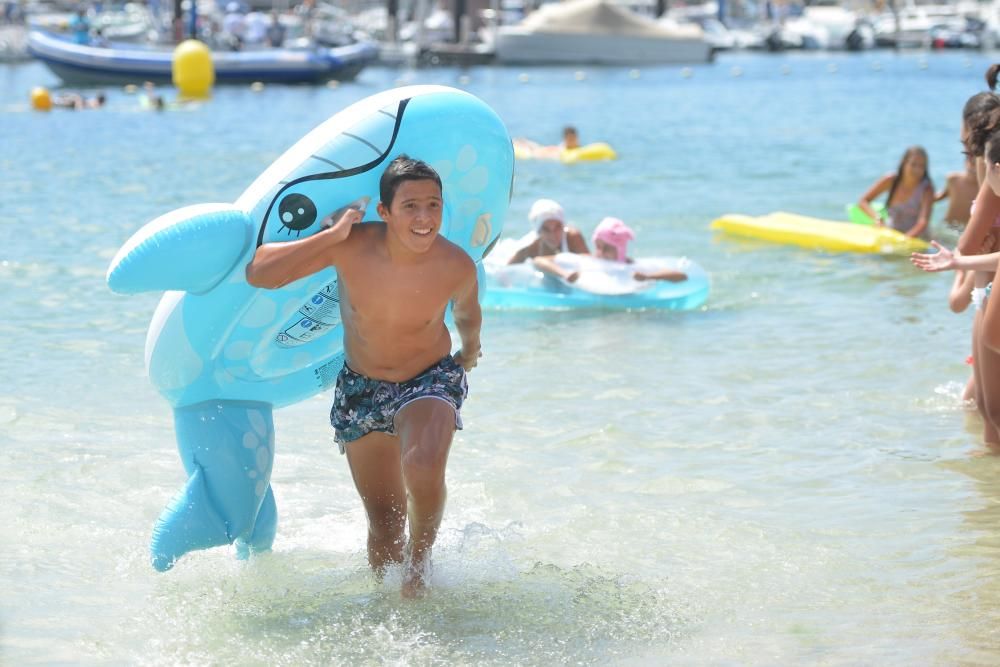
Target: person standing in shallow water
(398, 399)
(960, 190)
(911, 195)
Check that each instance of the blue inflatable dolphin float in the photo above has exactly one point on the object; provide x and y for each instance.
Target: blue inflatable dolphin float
(224, 353)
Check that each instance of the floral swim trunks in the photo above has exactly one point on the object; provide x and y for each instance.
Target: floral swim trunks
(362, 405)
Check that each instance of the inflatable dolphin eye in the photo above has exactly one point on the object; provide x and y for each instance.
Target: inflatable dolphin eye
(296, 212)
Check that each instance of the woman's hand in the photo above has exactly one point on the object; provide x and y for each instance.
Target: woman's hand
(942, 260)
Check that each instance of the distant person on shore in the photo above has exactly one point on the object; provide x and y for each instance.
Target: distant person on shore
(306, 11)
(550, 235)
(571, 139)
(11, 12)
(911, 196)
(960, 188)
(234, 26)
(275, 32)
(79, 26)
(255, 26)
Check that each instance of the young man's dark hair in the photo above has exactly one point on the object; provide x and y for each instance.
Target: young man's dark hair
(404, 168)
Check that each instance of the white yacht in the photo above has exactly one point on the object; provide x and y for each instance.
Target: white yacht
(598, 32)
(915, 24)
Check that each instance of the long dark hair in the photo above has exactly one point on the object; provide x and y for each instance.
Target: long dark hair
(911, 151)
(981, 115)
(991, 75)
(992, 153)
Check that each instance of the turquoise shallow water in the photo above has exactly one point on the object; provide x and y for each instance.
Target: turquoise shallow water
(786, 476)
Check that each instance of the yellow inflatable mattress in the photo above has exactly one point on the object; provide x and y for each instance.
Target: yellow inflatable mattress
(801, 230)
(589, 153)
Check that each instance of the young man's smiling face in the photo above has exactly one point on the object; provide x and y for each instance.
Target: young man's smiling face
(414, 216)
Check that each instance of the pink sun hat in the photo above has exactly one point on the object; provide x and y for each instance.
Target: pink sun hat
(614, 232)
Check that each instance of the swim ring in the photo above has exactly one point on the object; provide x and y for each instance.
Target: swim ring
(224, 354)
(814, 233)
(588, 153)
(602, 284)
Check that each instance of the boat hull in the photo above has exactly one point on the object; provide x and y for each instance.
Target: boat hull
(81, 64)
(516, 46)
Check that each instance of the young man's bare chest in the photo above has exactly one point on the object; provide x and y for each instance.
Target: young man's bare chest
(380, 293)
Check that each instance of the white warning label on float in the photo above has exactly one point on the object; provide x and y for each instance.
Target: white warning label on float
(313, 319)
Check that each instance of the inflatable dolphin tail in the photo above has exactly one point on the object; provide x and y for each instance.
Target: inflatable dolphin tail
(190, 249)
(228, 449)
(264, 529)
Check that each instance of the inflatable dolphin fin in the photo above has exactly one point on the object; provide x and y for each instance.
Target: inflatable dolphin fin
(191, 249)
(189, 522)
(228, 449)
(264, 529)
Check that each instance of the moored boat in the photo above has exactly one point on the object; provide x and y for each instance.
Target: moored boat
(578, 32)
(127, 63)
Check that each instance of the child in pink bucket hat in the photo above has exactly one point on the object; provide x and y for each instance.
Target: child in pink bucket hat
(611, 237)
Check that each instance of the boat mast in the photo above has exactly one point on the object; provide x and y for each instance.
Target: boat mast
(178, 23)
(460, 7)
(391, 28)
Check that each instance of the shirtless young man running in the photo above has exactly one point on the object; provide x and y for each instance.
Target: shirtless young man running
(398, 398)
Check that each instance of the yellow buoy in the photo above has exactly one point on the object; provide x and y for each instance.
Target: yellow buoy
(40, 99)
(193, 72)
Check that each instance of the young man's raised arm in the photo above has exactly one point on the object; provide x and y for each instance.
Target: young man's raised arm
(468, 317)
(275, 265)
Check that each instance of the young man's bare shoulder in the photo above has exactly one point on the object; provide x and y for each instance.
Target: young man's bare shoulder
(364, 236)
(369, 230)
(452, 253)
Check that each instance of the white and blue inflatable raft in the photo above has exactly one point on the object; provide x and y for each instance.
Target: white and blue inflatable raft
(602, 284)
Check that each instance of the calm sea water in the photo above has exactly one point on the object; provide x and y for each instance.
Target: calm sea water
(787, 476)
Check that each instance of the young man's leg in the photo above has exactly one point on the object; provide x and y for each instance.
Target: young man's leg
(374, 462)
(425, 428)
